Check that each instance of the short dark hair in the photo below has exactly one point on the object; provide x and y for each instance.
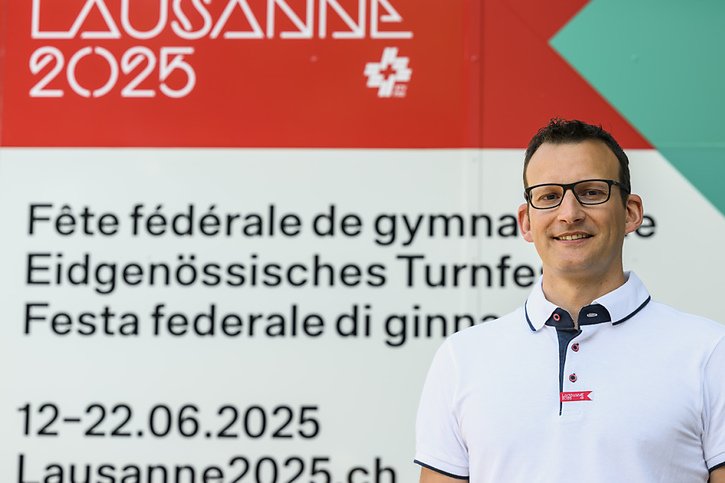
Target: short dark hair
(562, 131)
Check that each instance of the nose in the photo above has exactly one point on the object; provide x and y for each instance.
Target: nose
(570, 210)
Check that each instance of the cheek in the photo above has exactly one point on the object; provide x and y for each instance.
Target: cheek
(616, 227)
(619, 220)
(537, 230)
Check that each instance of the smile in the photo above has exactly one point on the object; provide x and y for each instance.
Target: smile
(577, 236)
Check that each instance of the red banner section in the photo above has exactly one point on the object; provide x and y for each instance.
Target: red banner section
(288, 73)
(575, 396)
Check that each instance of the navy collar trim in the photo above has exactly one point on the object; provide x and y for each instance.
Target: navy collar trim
(528, 320)
(633, 313)
(616, 307)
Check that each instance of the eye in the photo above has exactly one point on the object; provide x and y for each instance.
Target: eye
(595, 191)
(547, 193)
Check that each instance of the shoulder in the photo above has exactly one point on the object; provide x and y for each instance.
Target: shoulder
(686, 328)
(506, 323)
(666, 314)
(466, 356)
(484, 338)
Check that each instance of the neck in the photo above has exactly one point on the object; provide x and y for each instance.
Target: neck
(571, 293)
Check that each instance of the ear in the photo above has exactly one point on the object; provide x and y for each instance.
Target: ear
(525, 223)
(634, 213)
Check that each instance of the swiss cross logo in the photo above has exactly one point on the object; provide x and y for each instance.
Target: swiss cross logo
(391, 75)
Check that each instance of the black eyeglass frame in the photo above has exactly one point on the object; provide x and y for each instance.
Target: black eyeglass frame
(570, 186)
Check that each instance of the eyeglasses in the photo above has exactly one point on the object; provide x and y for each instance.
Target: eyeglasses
(587, 192)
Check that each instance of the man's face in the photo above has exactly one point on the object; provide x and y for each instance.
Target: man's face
(575, 240)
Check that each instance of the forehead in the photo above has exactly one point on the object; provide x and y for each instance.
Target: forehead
(569, 162)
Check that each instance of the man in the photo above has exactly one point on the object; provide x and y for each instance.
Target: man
(591, 381)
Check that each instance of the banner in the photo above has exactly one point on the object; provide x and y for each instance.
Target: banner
(235, 231)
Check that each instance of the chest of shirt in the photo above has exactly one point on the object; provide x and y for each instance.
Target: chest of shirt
(606, 385)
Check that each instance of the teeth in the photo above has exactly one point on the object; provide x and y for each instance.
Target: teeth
(573, 237)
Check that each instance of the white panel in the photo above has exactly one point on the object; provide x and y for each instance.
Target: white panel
(366, 388)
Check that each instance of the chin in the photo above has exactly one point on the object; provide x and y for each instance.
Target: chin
(577, 268)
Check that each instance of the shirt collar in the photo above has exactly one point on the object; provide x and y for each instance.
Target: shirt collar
(620, 304)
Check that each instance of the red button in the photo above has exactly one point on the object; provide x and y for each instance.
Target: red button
(572, 377)
(575, 347)
(557, 317)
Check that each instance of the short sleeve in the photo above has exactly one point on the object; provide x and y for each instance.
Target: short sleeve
(439, 445)
(714, 408)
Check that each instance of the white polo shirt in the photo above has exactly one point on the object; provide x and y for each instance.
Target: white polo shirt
(636, 395)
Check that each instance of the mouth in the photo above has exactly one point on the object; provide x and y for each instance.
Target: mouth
(572, 236)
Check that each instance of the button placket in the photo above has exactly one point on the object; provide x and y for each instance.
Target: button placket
(570, 370)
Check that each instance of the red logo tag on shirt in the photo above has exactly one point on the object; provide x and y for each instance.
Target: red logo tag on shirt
(575, 396)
